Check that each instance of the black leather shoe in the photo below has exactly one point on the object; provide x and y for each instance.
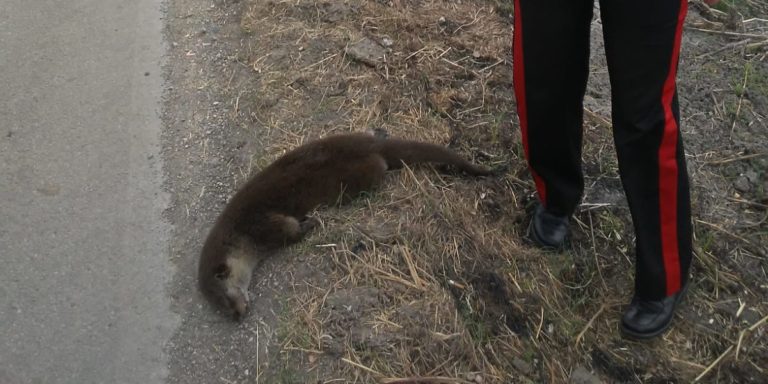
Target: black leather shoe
(646, 319)
(548, 230)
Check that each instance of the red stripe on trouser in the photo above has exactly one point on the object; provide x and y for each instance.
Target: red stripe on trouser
(668, 169)
(522, 105)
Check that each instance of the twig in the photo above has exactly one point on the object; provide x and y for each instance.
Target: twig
(744, 333)
(747, 202)
(741, 309)
(753, 46)
(305, 350)
(358, 365)
(738, 158)
(727, 33)
(460, 66)
(468, 24)
(738, 344)
(492, 65)
(709, 11)
(724, 47)
(319, 62)
(541, 323)
(444, 53)
(414, 54)
(586, 207)
(699, 366)
(759, 323)
(755, 248)
(594, 251)
(237, 105)
(741, 99)
(411, 267)
(600, 120)
(433, 379)
(714, 363)
(431, 199)
(589, 324)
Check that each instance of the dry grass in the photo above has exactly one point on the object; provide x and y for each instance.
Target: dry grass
(431, 281)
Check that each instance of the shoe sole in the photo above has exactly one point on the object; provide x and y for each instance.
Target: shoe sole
(645, 336)
(651, 335)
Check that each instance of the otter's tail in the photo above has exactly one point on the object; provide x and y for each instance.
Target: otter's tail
(412, 152)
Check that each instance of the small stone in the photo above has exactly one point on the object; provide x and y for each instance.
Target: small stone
(523, 366)
(581, 375)
(367, 52)
(742, 184)
(752, 176)
(386, 41)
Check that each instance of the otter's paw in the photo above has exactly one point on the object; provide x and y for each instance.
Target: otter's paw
(308, 223)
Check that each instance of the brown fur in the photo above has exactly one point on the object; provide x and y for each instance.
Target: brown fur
(269, 211)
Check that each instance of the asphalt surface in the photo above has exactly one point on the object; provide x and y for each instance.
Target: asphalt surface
(83, 244)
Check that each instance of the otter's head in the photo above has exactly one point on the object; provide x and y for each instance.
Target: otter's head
(225, 285)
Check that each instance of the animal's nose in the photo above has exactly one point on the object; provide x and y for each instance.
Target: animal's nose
(240, 310)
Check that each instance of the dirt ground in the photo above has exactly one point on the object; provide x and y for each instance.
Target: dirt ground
(429, 279)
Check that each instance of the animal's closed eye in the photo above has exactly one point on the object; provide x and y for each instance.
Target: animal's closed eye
(221, 272)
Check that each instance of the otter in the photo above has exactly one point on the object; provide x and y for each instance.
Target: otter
(269, 211)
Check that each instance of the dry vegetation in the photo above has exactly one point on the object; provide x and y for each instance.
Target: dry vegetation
(430, 280)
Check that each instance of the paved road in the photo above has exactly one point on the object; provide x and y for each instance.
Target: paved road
(83, 246)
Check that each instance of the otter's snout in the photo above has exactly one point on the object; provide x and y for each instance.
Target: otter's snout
(238, 302)
(240, 308)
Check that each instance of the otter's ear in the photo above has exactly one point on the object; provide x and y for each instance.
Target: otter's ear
(221, 272)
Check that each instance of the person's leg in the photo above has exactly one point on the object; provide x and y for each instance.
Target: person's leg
(551, 65)
(642, 41)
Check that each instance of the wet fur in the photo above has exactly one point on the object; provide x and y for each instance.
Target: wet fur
(268, 212)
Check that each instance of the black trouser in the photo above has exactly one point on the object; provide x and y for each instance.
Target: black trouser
(551, 66)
